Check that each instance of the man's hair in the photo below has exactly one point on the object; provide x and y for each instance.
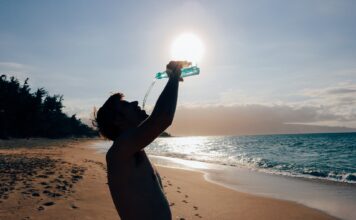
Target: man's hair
(104, 118)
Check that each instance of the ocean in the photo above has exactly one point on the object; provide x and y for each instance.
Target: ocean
(330, 157)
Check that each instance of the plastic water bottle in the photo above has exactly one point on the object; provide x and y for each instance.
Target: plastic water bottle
(188, 71)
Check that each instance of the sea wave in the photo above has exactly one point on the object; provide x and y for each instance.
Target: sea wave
(330, 157)
(266, 166)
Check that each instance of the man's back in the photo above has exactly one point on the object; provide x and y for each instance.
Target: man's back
(136, 189)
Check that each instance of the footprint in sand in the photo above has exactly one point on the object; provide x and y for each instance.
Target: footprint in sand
(178, 191)
(48, 203)
(35, 194)
(186, 196)
(172, 204)
(185, 201)
(195, 207)
(199, 216)
(41, 208)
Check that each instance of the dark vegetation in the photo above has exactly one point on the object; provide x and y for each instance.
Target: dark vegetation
(24, 114)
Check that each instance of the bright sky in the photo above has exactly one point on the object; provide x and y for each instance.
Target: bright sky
(273, 62)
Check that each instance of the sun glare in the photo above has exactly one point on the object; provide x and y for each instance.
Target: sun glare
(187, 47)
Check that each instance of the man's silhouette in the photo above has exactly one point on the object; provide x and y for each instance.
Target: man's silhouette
(134, 183)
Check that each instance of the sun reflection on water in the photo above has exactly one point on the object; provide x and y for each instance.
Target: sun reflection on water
(197, 148)
(184, 145)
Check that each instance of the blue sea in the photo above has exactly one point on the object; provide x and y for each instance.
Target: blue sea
(317, 170)
(330, 156)
(323, 156)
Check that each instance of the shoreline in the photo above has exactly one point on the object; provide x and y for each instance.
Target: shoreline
(336, 199)
(220, 202)
(332, 197)
(188, 192)
(344, 178)
(207, 170)
(268, 172)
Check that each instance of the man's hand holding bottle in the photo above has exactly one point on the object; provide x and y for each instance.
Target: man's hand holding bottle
(174, 68)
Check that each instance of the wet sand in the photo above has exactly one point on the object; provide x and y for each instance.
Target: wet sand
(65, 179)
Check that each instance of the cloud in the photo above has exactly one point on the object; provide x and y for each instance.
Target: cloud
(325, 109)
(339, 89)
(12, 65)
(249, 119)
(342, 91)
(328, 109)
(338, 100)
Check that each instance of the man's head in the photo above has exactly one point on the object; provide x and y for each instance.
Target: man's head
(118, 115)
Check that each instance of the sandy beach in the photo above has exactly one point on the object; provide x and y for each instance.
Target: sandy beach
(66, 179)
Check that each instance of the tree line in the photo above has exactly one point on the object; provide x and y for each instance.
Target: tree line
(25, 114)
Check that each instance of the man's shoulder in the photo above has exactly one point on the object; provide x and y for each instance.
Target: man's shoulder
(129, 143)
(117, 149)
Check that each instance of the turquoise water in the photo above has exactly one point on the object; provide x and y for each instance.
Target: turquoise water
(322, 156)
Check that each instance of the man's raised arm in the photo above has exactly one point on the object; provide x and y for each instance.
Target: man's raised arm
(161, 118)
(166, 104)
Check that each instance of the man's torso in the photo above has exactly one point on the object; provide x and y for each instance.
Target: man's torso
(136, 189)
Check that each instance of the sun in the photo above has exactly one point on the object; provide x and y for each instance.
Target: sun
(188, 47)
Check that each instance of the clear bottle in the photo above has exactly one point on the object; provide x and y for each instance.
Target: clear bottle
(188, 71)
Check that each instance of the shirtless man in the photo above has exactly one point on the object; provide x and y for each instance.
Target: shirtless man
(134, 183)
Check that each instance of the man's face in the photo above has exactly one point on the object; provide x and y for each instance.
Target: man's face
(129, 114)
